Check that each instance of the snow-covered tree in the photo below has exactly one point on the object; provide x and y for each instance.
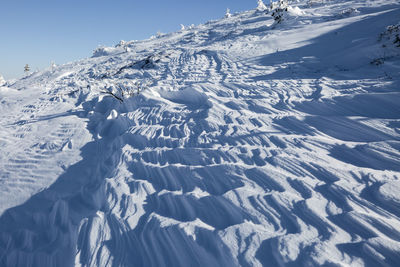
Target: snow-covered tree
(228, 13)
(273, 5)
(159, 34)
(279, 10)
(121, 43)
(261, 6)
(27, 68)
(2, 81)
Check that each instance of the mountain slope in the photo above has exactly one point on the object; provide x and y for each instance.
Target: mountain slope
(237, 142)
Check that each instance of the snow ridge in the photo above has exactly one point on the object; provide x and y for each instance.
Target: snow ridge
(240, 142)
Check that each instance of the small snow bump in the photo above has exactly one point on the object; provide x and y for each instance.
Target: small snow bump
(113, 115)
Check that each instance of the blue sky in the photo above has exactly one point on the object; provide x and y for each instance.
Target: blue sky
(37, 32)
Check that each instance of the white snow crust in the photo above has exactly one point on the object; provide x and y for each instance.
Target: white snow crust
(238, 142)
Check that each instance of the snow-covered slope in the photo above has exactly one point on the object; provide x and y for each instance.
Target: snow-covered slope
(240, 142)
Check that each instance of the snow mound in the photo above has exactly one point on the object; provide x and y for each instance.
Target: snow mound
(295, 11)
(187, 96)
(107, 51)
(388, 193)
(113, 115)
(4, 89)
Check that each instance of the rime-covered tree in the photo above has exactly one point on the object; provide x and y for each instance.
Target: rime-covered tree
(278, 4)
(279, 10)
(27, 68)
(283, 3)
(261, 6)
(2, 81)
(228, 13)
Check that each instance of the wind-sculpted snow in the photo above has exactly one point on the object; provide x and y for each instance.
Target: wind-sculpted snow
(240, 142)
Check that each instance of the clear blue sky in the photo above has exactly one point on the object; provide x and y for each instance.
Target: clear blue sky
(37, 32)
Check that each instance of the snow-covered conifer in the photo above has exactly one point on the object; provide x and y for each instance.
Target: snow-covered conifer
(261, 6)
(2, 81)
(279, 10)
(228, 13)
(273, 5)
(121, 43)
(27, 68)
(283, 3)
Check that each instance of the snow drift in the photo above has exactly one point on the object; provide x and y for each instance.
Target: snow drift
(240, 142)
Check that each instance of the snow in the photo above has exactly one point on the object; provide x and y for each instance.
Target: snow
(228, 13)
(4, 89)
(295, 11)
(238, 142)
(113, 115)
(388, 193)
